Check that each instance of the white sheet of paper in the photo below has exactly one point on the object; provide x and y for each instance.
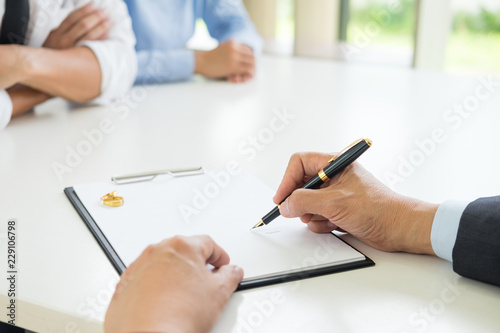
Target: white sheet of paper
(217, 204)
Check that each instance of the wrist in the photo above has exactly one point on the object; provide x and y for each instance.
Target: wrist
(25, 98)
(25, 61)
(412, 223)
(199, 62)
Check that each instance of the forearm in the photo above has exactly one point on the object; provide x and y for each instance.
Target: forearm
(73, 74)
(164, 66)
(25, 98)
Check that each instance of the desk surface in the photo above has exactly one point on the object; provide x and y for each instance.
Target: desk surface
(65, 281)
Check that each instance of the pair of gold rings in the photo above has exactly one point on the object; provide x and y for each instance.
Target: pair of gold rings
(112, 199)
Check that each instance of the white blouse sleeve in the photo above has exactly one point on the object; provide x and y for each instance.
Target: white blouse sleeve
(116, 55)
(5, 109)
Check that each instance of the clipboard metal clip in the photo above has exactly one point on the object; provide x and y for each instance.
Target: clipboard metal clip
(148, 176)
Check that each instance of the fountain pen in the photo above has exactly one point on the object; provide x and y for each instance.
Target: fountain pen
(335, 165)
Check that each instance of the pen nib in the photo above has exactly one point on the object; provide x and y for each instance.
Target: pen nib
(260, 224)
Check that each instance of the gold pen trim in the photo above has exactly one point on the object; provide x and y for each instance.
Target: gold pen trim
(368, 142)
(323, 176)
(261, 223)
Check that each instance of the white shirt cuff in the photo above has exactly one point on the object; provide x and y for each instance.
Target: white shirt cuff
(5, 109)
(445, 228)
(118, 69)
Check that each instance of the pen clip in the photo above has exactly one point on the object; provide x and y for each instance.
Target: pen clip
(149, 176)
(349, 147)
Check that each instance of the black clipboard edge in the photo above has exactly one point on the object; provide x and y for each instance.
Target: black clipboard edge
(245, 285)
(95, 230)
(292, 277)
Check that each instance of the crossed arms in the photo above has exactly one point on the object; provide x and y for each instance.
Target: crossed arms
(89, 57)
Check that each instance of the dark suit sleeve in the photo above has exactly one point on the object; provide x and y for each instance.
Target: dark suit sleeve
(476, 253)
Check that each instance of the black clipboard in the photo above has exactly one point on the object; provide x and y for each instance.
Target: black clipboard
(120, 267)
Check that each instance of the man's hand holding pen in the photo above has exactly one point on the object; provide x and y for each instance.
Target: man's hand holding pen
(356, 202)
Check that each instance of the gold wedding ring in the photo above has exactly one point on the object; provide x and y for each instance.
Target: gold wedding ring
(112, 199)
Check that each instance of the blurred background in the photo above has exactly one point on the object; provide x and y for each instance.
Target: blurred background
(454, 36)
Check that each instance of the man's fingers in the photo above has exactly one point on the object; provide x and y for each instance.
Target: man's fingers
(231, 276)
(301, 165)
(306, 218)
(240, 59)
(202, 249)
(247, 50)
(76, 16)
(302, 202)
(321, 227)
(241, 66)
(310, 217)
(211, 252)
(246, 62)
(247, 58)
(235, 78)
(245, 69)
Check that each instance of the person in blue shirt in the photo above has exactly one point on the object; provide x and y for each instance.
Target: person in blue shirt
(163, 27)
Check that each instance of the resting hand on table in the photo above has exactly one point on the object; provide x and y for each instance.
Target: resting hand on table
(356, 202)
(169, 288)
(230, 60)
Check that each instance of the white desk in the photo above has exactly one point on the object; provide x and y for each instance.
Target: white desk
(65, 279)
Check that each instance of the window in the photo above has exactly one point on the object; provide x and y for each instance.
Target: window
(461, 36)
(379, 31)
(285, 27)
(474, 41)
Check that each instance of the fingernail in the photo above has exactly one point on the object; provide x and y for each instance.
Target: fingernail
(239, 270)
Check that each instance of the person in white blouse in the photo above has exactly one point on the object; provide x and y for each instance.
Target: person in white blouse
(78, 50)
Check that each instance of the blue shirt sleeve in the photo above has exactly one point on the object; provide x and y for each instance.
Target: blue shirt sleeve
(228, 19)
(157, 66)
(162, 29)
(445, 228)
